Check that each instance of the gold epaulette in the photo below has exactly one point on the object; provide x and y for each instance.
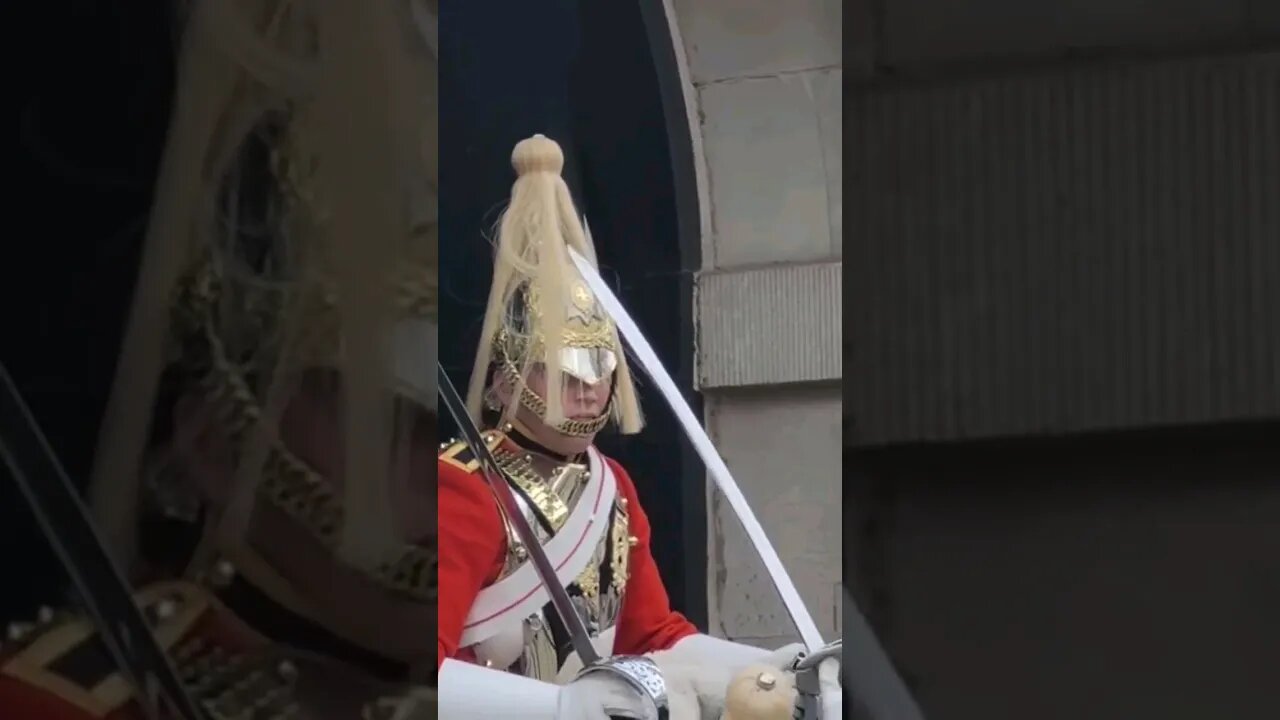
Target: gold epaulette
(65, 657)
(458, 454)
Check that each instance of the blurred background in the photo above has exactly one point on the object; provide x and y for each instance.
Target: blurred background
(1063, 344)
(91, 100)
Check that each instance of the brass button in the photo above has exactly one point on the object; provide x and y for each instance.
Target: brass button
(166, 609)
(17, 631)
(224, 572)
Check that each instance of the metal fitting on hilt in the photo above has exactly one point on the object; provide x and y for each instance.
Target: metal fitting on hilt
(806, 661)
(808, 688)
(640, 673)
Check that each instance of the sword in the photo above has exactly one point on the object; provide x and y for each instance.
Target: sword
(639, 672)
(711, 458)
(65, 523)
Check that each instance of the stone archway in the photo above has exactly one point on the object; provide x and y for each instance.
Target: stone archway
(761, 83)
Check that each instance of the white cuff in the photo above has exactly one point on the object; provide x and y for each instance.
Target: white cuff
(471, 692)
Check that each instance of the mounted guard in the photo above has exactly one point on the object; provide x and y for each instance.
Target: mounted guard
(568, 555)
(264, 474)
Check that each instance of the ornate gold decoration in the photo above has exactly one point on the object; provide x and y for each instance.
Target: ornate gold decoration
(589, 581)
(582, 297)
(517, 468)
(553, 493)
(621, 556)
(231, 686)
(588, 326)
(456, 452)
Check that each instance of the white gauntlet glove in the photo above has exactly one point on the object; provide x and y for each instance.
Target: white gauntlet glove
(699, 668)
(832, 693)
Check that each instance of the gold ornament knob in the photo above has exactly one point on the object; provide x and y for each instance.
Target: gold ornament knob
(760, 692)
(166, 609)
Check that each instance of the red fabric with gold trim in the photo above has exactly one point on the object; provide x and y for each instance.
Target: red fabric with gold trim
(62, 671)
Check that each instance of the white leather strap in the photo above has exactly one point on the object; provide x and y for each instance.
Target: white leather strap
(521, 593)
(471, 692)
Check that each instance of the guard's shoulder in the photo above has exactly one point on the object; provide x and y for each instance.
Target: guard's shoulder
(619, 472)
(456, 453)
(626, 486)
(59, 664)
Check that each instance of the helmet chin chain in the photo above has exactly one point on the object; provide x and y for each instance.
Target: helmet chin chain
(535, 404)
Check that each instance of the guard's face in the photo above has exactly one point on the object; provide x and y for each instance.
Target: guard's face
(581, 400)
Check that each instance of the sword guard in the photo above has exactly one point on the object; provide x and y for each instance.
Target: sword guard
(806, 661)
(808, 688)
(639, 672)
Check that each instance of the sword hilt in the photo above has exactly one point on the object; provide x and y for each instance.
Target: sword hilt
(640, 672)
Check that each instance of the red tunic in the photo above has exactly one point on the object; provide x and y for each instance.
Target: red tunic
(473, 549)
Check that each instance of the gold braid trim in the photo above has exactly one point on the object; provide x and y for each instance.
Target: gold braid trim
(520, 470)
(233, 685)
(623, 541)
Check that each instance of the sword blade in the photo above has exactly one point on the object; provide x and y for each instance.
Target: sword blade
(102, 588)
(560, 600)
(710, 456)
